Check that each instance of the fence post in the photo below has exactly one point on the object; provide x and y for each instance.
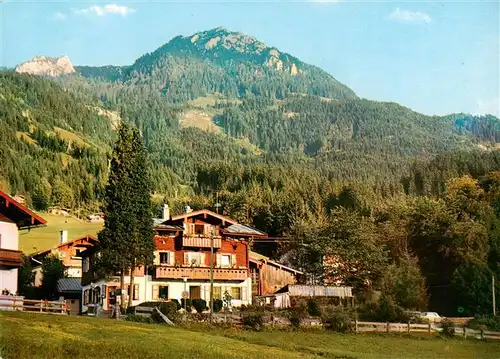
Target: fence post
(482, 334)
(388, 326)
(41, 306)
(465, 332)
(355, 325)
(430, 328)
(408, 327)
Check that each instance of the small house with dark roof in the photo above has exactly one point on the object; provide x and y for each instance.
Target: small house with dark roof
(68, 251)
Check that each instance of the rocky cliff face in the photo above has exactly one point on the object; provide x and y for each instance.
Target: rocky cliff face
(47, 66)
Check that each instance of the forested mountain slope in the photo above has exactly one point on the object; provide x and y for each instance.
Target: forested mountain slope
(281, 124)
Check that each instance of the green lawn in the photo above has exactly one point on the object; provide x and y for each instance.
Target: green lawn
(47, 237)
(24, 335)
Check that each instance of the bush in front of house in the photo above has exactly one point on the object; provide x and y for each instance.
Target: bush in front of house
(338, 320)
(177, 303)
(218, 304)
(253, 321)
(187, 304)
(313, 308)
(485, 322)
(200, 305)
(448, 329)
(169, 309)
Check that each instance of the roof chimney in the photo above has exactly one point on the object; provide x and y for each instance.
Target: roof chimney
(188, 209)
(166, 212)
(63, 236)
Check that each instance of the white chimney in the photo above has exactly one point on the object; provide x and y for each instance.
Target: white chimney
(188, 209)
(166, 212)
(63, 236)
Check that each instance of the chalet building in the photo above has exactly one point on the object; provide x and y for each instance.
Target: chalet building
(13, 217)
(68, 251)
(268, 276)
(182, 262)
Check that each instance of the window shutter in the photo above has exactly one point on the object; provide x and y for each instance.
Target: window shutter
(244, 293)
(218, 260)
(171, 258)
(157, 258)
(233, 260)
(207, 230)
(136, 292)
(104, 291)
(202, 260)
(85, 296)
(191, 229)
(186, 258)
(156, 292)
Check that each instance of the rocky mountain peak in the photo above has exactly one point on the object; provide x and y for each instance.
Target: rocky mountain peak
(47, 66)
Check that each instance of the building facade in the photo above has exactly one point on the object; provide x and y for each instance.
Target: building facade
(13, 217)
(68, 251)
(182, 263)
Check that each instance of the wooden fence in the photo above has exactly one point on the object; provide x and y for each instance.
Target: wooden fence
(11, 303)
(360, 327)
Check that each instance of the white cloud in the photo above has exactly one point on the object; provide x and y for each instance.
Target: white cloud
(109, 9)
(488, 107)
(410, 16)
(59, 16)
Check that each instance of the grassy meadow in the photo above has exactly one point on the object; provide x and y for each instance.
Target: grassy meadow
(25, 335)
(37, 239)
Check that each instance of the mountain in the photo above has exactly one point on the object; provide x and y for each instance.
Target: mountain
(220, 111)
(220, 61)
(47, 66)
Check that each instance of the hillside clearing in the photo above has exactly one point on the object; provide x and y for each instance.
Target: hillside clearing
(25, 335)
(48, 237)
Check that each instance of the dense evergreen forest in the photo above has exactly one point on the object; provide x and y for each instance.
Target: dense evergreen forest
(409, 200)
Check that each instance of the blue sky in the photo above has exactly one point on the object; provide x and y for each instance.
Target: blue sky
(434, 57)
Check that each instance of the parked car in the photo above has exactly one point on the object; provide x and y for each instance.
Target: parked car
(431, 317)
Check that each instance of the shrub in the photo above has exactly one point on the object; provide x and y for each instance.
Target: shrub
(313, 308)
(338, 320)
(448, 329)
(485, 323)
(169, 309)
(200, 305)
(218, 304)
(179, 306)
(253, 321)
(186, 303)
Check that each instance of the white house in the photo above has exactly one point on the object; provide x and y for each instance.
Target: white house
(13, 217)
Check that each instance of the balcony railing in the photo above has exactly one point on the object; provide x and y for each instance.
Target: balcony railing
(10, 258)
(200, 242)
(201, 273)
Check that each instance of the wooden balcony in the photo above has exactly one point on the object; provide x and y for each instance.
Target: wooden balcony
(200, 242)
(201, 273)
(10, 258)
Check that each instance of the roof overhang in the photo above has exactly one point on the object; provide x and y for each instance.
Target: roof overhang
(20, 215)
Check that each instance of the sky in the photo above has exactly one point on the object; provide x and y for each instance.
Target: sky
(433, 57)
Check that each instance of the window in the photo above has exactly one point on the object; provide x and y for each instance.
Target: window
(85, 264)
(236, 292)
(225, 260)
(195, 259)
(217, 293)
(163, 292)
(135, 294)
(164, 258)
(77, 253)
(199, 229)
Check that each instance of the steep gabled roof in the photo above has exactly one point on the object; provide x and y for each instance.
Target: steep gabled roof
(87, 238)
(19, 214)
(201, 212)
